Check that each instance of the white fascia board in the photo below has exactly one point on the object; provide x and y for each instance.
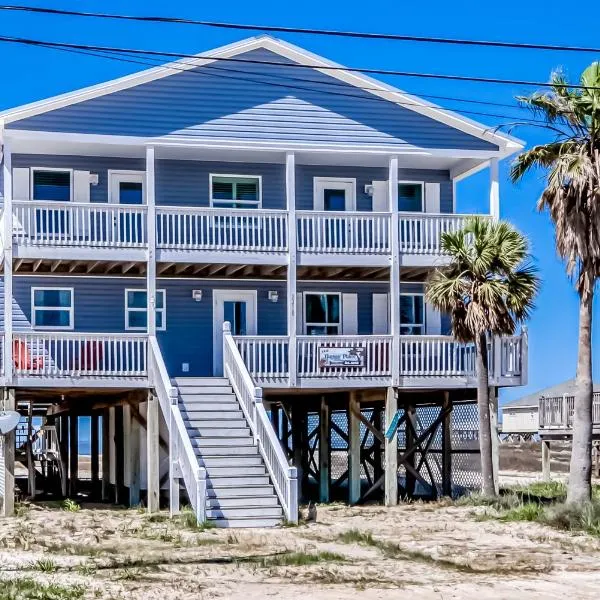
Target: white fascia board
(507, 144)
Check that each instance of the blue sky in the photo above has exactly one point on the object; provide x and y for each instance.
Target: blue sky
(30, 74)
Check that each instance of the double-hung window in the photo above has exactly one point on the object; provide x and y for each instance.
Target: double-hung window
(52, 308)
(235, 191)
(136, 314)
(410, 197)
(412, 314)
(322, 314)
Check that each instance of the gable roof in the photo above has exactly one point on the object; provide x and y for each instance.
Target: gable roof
(532, 400)
(507, 144)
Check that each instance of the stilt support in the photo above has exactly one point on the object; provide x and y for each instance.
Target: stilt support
(545, 460)
(95, 453)
(493, 396)
(8, 452)
(152, 449)
(134, 458)
(73, 454)
(391, 450)
(324, 452)
(447, 446)
(106, 455)
(353, 449)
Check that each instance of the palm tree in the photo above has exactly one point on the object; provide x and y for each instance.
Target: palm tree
(487, 288)
(572, 197)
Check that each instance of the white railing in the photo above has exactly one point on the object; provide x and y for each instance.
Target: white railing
(183, 461)
(218, 229)
(97, 225)
(343, 232)
(511, 354)
(435, 355)
(366, 356)
(265, 357)
(557, 411)
(283, 476)
(68, 354)
(421, 233)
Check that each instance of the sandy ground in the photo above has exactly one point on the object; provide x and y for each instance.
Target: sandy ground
(419, 550)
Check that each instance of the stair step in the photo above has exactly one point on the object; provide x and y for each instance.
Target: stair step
(222, 398)
(267, 512)
(210, 462)
(226, 492)
(217, 482)
(217, 423)
(244, 523)
(235, 471)
(185, 381)
(204, 389)
(210, 416)
(211, 441)
(209, 407)
(242, 501)
(217, 432)
(233, 450)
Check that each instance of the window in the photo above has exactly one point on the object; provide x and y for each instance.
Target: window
(322, 314)
(410, 197)
(412, 314)
(52, 308)
(235, 191)
(334, 193)
(49, 184)
(136, 317)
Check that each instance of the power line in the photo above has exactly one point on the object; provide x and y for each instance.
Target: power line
(180, 55)
(303, 30)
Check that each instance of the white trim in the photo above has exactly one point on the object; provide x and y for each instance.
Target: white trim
(287, 50)
(305, 323)
(71, 309)
(50, 170)
(138, 175)
(319, 186)
(408, 182)
(234, 176)
(162, 310)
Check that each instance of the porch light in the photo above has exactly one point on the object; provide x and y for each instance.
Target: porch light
(273, 295)
(197, 295)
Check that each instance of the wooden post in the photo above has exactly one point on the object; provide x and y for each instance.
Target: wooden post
(64, 455)
(493, 397)
(7, 236)
(152, 450)
(353, 449)
(324, 451)
(377, 456)
(119, 442)
(8, 452)
(106, 455)
(411, 427)
(298, 439)
(290, 190)
(29, 449)
(73, 454)
(596, 458)
(95, 452)
(494, 189)
(546, 460)
(391, 450)
(447, 446)
(134, 459)
(394, 270)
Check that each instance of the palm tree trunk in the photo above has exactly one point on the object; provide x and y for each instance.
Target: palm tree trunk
(485, 437)
(580, 470)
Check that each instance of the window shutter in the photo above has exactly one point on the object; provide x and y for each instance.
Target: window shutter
(432, 197)
(433, 320)
(381, 314)
(380, 201)
(20, 184)
(349, 314)
(81, 186)
(299, 313)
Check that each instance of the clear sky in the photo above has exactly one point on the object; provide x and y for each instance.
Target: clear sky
(33, 73)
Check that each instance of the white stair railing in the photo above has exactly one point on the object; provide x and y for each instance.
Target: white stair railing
(183, 462)
(283, 476)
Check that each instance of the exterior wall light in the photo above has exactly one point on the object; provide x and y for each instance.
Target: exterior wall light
(197, 295)
(273, 295)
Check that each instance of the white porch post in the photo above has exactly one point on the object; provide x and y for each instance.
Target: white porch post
(151, 253)
(394, 271)
(494, 189)
(290, 192)
(8, 264)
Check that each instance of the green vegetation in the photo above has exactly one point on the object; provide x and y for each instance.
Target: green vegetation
(298, 559)
(70, 505)
(45, 565)
(28, 589)
(187, 520)
(354, 536)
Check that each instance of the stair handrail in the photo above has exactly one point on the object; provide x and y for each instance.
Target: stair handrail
(183, 462)
(283, 476)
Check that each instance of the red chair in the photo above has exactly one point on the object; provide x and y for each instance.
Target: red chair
(92, 355)
(23, 359)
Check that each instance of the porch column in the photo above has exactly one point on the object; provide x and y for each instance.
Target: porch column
(394, 271)
(546, 460)
(8, 264)
(391, 450)
(152, 449)
(151, 253)
(353, 449)
(290, 193)
(8, 442)
(324, 451)
(494, 189)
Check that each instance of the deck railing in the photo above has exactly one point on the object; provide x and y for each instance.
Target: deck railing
(343, 232)
(283, 476)
(556, 412)
(218, 229)
(436, 356)
(68, 354)
(421, 233)
(264, 357)
(92, 225)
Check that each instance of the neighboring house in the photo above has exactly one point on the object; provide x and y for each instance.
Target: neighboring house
(304, 207)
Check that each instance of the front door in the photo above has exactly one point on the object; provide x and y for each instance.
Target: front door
(127, 188)
(237, 307)
(334, 195)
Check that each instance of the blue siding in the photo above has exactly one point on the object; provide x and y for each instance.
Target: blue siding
(253, 102)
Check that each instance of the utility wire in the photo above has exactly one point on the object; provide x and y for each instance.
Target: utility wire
(180, 55)
(303, 30)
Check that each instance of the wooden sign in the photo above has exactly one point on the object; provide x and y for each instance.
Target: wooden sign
(341, 357)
